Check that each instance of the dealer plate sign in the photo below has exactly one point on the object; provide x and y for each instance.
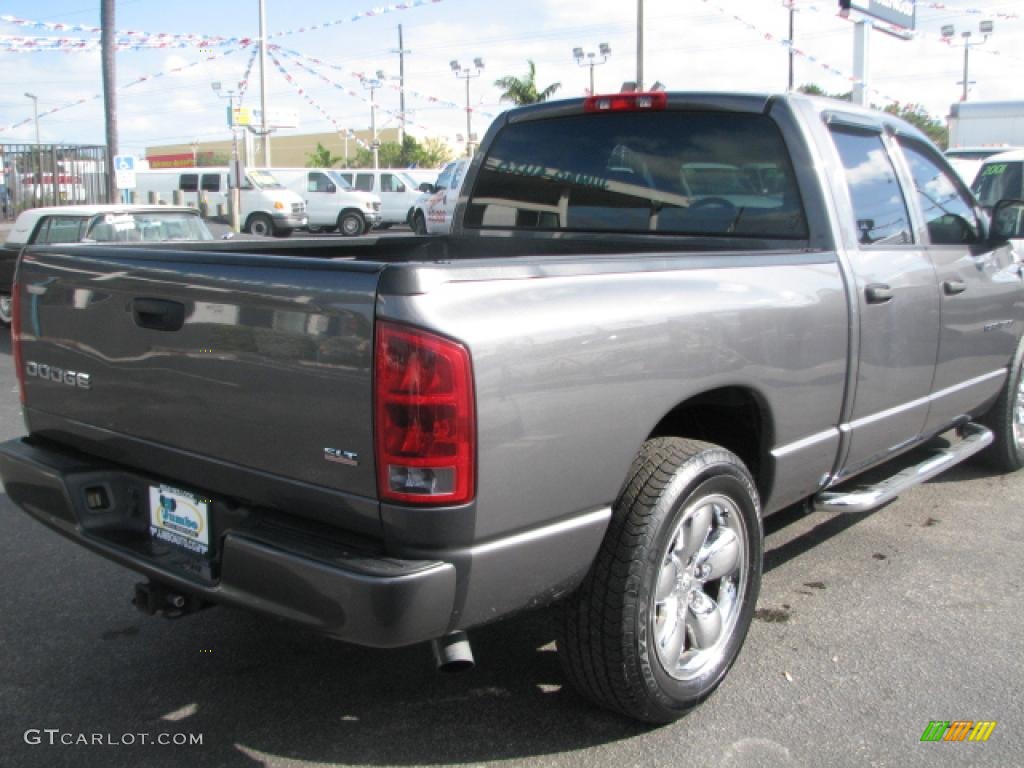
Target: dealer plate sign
(180, 518)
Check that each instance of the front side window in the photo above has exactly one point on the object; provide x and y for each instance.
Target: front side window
(188, 182)
(999, 181)
(673, 172)
(879, 208)
(391, 183)
(445, 179)
(364, 182)
(318, 182)
(947, 211)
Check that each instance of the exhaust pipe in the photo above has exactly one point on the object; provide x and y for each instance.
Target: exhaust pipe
(452, 653)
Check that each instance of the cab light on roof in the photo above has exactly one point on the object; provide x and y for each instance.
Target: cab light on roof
(627, 102)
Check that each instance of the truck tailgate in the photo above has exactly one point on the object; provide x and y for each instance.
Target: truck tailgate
(258, 362)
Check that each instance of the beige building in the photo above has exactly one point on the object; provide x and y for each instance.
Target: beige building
(288, 151)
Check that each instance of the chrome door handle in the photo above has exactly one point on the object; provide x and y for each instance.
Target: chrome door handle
(953, 287)
(878, 293)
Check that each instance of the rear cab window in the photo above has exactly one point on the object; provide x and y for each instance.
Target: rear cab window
(673, 172)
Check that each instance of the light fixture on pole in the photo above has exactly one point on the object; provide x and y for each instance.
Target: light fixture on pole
(234, 178)
(589, 59)
(985, 28)
(467, 74)
(373, 84)
(35, 113)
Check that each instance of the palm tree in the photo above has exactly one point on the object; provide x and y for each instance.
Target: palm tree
(523, 90)
(321, 157)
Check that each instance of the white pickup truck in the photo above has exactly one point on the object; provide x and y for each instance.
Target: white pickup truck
(433, 212)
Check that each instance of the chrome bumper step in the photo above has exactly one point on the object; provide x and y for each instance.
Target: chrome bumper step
(862, 498)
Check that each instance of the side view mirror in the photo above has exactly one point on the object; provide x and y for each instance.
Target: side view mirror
(427, 187)
(1008, 220)
(400, 188)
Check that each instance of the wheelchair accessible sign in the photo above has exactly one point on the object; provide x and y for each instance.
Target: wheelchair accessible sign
(124, 171)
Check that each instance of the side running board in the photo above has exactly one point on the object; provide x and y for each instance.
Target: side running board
(974, 438)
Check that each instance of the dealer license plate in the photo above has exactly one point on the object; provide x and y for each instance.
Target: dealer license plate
(179, 517)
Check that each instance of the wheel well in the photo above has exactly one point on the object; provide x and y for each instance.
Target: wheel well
(732, 417)
(346, 211)
(255, 214)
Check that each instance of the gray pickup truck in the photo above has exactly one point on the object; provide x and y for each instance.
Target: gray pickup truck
(659, 318)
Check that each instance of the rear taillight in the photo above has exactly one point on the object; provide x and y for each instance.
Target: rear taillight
(425, 420)
(634, 101)
(16, 339)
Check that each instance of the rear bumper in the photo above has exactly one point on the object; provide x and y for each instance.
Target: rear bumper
(261, 561)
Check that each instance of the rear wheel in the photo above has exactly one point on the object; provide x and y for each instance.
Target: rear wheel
(664, 611)
(1006, 420)
(351, 223)
(5, 309)
(419, 223)
(260, 224)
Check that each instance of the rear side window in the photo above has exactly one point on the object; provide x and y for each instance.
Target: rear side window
(211, 182)
(679, 173)
(999, 181)
(188, 182)
(878, 204)
(61, 229)
(364, 182)
(947, 211)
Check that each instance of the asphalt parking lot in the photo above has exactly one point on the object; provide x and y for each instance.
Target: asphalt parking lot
(869, 627)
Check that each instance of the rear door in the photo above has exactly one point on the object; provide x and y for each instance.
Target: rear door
(897, 302)
(980, 290)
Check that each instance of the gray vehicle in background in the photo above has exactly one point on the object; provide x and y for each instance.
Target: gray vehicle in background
(658, 319)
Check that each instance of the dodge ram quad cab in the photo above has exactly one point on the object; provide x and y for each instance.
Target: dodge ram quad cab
(658, 319)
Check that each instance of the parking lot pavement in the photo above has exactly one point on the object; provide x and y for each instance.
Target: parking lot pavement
(868, 627)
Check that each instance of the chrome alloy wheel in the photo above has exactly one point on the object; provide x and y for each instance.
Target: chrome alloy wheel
(700, 586)
(1018, 416)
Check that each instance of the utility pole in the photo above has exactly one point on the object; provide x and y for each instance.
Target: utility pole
(639, 45)
(401, 86)
(107, 26)
(791, 4)
(265, 134)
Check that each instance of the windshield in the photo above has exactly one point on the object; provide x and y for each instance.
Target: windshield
(681, 173)
(998, 181)
(340, 180)
(264, 180)
(147, 227)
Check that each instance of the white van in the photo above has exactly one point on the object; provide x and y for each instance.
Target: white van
(397, 191)
(432, 213)
(267, 207)
(331, 202)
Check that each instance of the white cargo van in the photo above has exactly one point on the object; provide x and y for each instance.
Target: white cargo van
(331, 202)
(432, 213)
(267, 206)
(397, 191)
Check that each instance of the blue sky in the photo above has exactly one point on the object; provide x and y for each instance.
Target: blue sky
(689, 45)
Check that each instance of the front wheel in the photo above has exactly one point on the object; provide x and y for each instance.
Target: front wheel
(1006, 420)
(5, 309)
(662, 615)
(260, 224)
(419, 223)
(351, 224)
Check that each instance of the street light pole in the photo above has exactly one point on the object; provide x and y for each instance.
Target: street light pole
(985, 28)
(468, 73)
(35, 114)
(373, 84)
(234, 180)
(639, 45)
(263, 84)
(589, 59)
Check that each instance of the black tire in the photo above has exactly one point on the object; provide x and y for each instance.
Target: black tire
(609, 637)
(260, 224)
(419, 223)
(1006, 453)
(6, 309)
(351, 223)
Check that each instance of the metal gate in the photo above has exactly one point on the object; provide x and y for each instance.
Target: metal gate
(35, 175)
